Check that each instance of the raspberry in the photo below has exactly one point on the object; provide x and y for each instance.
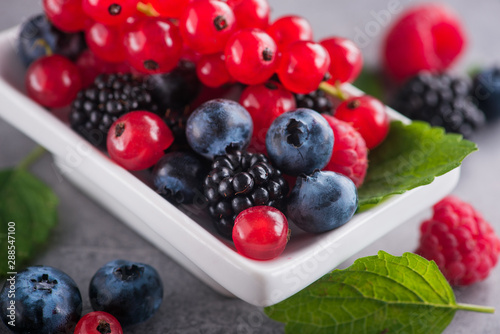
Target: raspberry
(427, 37)
(350, 155)
(460, 241)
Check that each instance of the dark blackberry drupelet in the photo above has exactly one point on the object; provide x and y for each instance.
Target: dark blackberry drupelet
(239, 180)
(111, 96)
(316, 100)
(440, 99)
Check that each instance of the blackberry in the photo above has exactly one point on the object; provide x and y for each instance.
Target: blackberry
(441, 100)
(239, 180)
(111, 96)
(316, 100)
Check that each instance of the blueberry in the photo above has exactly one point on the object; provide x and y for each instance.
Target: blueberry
(299, 142)
(486, 92)
(38, 37)
(46, 300)
(322, 201)
(217, 125)
(179, 176)
(132, 292)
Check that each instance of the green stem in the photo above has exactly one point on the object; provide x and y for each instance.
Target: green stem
(31, 157)
(332, 90)
(475, 308)
(147, 9)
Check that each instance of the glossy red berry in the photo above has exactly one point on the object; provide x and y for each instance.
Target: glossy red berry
(303, 66)
(66, 15)
(251, 13)
(289, 29)
(260, 232)
(98, 322)
(91, 66)
(207, 25)
(153, 45)
(265, 102)
(251, 56)
(137, 140)
(346, 60)
(106, 42)
(110, 12)
(368, 116)
(169, 8)
(53, 81)
(211, 70)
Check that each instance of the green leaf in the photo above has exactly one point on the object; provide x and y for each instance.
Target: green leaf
(411, 156)
(371, 82)
(377, 294)
(31, 205)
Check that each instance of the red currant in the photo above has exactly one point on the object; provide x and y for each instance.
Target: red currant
(66, 15)
(212, 71)
(91, 66)
(251, 56)
(368, 116)
(265, 102)
(289, 29)
(53, 81)
(98, 322)
(170, 8)
(346, 60)
(207, 25)
(110, 12)
(137, 140)
(154, 45)
(303, 66)
(251, 13)
(260, 232)
(106, 42)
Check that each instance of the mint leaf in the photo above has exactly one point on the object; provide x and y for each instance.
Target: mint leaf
(31, 205)
(377, 294)
(411, 156)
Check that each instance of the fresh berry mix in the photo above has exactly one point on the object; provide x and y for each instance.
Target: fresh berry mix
(317, 101)
(260, 232)
(288, 29)
(240, 180)
(486, 92)
(368, 116)
(38, 38)
(441, 100)
(179, 176)
(66, 15)
(349, 155)
(299, 142)
(98, 323)
(47, 301)
(130, 291)
(460, 241)
(322, 201)
(346, 60)
(99, 106)
(426, 37)
(91, 67)
(137, 140)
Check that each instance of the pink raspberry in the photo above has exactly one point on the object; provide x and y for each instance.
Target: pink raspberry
(349, 156)
(460, 241)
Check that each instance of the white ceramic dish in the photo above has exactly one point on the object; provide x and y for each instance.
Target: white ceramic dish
(194, 244)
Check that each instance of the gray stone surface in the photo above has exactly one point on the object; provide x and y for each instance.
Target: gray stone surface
(87, 236)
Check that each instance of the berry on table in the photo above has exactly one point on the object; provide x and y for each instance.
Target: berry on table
(289, 29)
(240, 180)
(137, 140)
(53, 81)
(251, 13)
(350, 155)
(110, 12)
(322, 201)
(47, 301)
(346, 60)
(486, 92)
(460, 241)
(316, 100)
(66, 15)
(251, 56)
(207, 25)
(98, 322)
(212, 71)
(299, 142)
(303, 66)
(368, 116)
(260, 233)
(106, 42)
(130, 291)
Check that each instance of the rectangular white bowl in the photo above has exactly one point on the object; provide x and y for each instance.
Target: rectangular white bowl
(195, 244)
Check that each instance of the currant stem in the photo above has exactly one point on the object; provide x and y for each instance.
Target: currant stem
(475, 308)
(335, 91)
(31, 158)
(147, 9)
